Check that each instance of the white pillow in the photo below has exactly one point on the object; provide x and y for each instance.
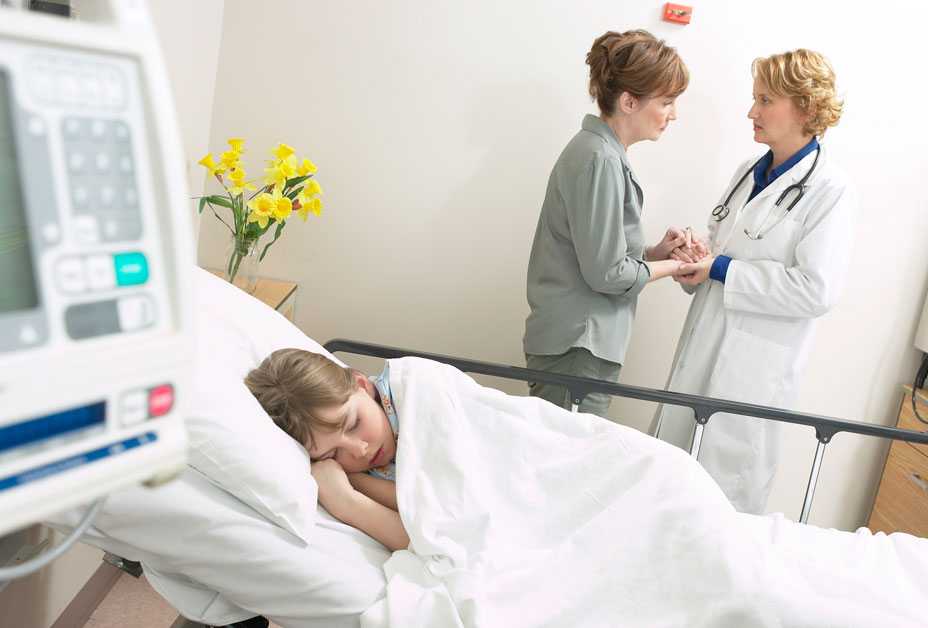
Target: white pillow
(233, 442)
(217, 561)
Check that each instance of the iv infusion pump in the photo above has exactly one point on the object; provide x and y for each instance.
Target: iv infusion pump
(96, 248)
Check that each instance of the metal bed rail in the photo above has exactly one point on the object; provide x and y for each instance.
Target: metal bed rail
(703, 407)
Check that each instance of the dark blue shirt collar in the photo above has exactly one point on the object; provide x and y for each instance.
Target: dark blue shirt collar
(761, 180)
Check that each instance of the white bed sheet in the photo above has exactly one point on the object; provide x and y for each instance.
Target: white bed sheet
(522, 514)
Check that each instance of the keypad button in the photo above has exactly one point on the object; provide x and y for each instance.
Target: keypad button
(80, 195)
(76, 162)
(133, 407)
(101, 274)
(88, 320)
(73, 129)
(28, 334)
(86, 229)
(131, 269)
(97, 129)
(135, 312)
(102, 161)
(107, 196)
(121, 131)
(160, 400)
(70, 275)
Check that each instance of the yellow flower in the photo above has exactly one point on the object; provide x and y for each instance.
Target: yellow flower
(282, 151)
(275, 176)
(306, 167)
(313, 205)
(262, 208)
(229, 159)
(280, 171)
(208, 163)
(283, 206)
(312, 187)
(239, 184)
(237, 144)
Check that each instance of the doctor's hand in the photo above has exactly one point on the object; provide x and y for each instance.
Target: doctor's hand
(693, 250)
(335, 491)
(675, 237)
(695, 273)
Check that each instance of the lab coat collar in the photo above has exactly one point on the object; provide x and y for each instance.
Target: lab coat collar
(791, 176)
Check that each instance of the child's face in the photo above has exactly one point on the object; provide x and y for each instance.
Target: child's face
(366, 440)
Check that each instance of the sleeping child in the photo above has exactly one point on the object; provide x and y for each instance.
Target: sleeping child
(348, 424)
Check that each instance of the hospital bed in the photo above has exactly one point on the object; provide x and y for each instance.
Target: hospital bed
(240, 533)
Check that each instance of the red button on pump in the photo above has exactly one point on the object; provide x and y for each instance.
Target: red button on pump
(160, 400)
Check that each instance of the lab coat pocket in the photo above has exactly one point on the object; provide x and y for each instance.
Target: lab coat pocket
(750, 369)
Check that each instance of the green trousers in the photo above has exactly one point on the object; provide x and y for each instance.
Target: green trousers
(580, 362)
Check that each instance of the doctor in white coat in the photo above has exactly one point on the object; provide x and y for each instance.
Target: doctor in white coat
(780, 242)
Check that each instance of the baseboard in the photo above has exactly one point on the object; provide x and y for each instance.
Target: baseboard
(76, 614)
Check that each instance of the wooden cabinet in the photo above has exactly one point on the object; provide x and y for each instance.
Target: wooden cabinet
(279, 294)
(901, 503)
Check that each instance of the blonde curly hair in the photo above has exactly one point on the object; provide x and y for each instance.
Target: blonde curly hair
(808, 79)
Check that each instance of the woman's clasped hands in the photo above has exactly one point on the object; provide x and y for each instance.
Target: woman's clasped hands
(694, 256)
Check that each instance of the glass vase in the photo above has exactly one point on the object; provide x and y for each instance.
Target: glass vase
(242, 263)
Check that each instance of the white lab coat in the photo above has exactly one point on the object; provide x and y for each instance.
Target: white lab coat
(748, 339)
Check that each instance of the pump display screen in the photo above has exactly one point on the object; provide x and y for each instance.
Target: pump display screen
(17, 276)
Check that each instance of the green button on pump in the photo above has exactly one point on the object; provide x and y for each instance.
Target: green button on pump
(131, 269)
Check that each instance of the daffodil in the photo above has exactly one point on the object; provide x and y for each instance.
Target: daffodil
(283, 206)
(279, 171)
(237, 144)
(312, 187)
(208, 163)
(282, 151)
(306, 167)
(266, 206)
(239, 184)
(229, 159)
(262, 209)
(313, 205)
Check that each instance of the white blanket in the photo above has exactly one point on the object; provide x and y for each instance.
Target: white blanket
(521, 514)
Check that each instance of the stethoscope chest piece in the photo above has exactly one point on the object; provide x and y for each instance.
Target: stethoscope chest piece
(722, 211)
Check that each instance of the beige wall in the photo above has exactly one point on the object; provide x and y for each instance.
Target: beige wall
(189, 34)
(435, 125)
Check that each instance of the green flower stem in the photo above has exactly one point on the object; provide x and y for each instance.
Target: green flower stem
(239, 252)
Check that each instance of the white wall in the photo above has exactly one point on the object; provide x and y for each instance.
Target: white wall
(435, 125)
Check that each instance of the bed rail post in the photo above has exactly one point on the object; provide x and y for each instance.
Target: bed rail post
(823, 437)
(701, 417)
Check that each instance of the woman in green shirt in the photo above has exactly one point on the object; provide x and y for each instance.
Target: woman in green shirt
(589, 260)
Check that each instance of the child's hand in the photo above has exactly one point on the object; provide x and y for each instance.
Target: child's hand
(335, 492)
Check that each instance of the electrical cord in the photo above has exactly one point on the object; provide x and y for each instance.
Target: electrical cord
(917, 385)
(33, 565)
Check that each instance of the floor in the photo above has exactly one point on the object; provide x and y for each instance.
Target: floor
(132, 602)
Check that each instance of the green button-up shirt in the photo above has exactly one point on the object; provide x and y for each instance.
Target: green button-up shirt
(586, 268)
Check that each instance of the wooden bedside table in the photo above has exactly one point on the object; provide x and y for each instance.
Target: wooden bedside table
(901, 503)
(279, 294)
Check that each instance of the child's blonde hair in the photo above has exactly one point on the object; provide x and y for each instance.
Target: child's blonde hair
(292, 384)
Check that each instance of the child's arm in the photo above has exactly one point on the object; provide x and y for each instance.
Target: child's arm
(357, 509)
(380, 490)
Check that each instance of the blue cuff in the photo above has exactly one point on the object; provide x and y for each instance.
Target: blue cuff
(720, 268)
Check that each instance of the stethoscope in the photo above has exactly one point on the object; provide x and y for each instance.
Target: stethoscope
(721, 212)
